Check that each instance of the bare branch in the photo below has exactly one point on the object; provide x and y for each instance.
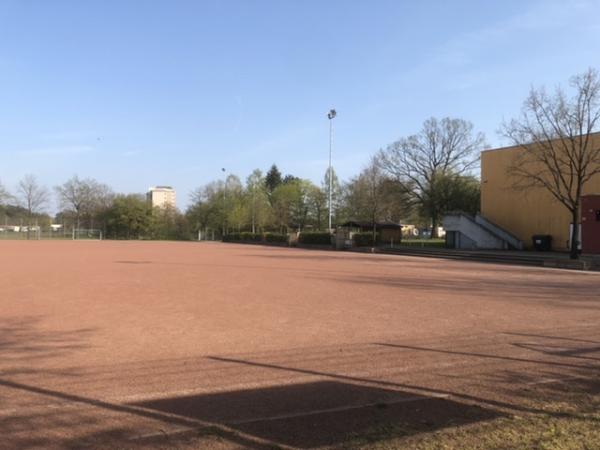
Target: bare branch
(558, 151)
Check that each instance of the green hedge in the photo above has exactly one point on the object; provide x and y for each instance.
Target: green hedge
(244, 236)
(363, 239)
(247, 236)
(314, 238)
(231, 237)
(276, 237)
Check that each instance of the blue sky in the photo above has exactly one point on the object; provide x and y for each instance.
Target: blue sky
(138, 93)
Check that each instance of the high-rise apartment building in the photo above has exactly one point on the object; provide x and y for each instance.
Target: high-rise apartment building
(161, 196)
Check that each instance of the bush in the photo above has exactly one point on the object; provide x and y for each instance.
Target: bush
(231, 237)
(363, 239)
(315, 238)
(276, 237)
(241, 237)
(253, 237)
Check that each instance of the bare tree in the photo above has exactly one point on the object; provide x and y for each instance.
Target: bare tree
(32, 197)
(373, 183)
(4, 194)
(74, 195)
(559, 153)
(101, 201)
(373, 196)
(257, 197)
(442, 147)
(81, 197)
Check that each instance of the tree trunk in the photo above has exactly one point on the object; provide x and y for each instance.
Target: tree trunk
(319, 219)
(29, 223)
(434, 226)
(374, 223)
(574, 251)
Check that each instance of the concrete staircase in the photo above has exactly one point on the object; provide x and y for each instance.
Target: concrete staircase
(520, 258)
(511, 240)
(510, 257)
(476, 232)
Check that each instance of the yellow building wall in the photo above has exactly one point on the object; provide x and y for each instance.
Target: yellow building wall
(523, 213)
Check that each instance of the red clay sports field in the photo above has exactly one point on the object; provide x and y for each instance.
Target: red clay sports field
(206, 345)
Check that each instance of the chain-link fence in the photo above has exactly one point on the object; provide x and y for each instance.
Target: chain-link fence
(39, 233)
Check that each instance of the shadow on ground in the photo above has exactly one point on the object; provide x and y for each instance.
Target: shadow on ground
(580, 296)
(335, 409)
(25, 345)
(321, 413)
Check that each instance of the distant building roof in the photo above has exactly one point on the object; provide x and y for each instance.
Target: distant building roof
(160, 187)
(380, 225)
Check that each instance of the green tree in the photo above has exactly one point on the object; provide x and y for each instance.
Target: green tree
(206, 213)
(257, 198)
(450, 193)
(169, 224)
(290, 206)
(336, 193)
(289, 178)
(317, 204)
(201, 217)
(129, 217)
(272, 180)
(233, 204)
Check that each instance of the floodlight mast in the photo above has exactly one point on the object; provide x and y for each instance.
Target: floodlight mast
(224, 199)
(330, 115)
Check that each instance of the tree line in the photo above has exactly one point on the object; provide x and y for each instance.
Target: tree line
(416, 179)
(85, 203)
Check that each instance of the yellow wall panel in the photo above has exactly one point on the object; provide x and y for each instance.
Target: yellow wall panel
(524, 213)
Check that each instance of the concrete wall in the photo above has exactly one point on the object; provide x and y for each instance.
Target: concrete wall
(511, 239)
(524, 213)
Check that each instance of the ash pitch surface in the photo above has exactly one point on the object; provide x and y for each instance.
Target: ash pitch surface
(207, 345)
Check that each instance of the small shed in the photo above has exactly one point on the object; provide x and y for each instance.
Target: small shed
(387, 232)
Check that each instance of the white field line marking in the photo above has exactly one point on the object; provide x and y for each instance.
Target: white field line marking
(380, 376)
(285, 381)
(306, 413)
(554, 380)
(145, 397)
(339, 409)
(243, 386)
(163, 395)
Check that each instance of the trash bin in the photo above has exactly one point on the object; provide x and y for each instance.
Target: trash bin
(542, 242)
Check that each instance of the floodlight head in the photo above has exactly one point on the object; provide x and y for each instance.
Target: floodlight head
(332, 113)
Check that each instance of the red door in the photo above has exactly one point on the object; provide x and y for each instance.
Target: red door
(590, 224)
